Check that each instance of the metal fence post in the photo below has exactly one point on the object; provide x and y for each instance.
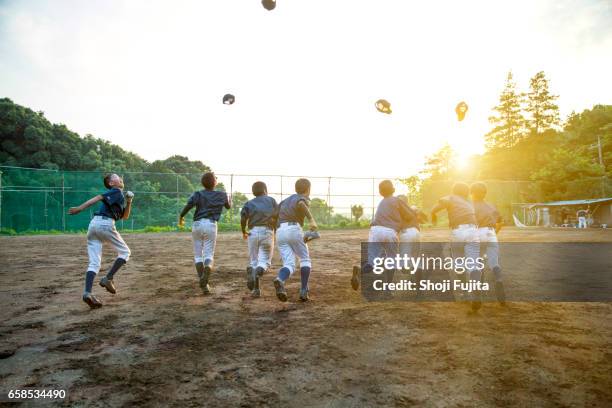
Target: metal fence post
(328, 199)
(177, 198)
(63, 202)
(0, 200)
(231, 211)
(373, 196)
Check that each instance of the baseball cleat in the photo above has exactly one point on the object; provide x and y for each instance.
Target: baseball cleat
(256, 293)
(355, 277)
(259, 271)
(206, 289)
(108, 285)
(250, 278)
(304, 295)
(281, 293)
(92, 301)
(204, 279)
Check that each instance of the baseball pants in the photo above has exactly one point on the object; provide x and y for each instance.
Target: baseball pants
(383, 242)
(261, 247)
(204, 234)
(490, 247)
(290, 241)
(465, 242)
(410, 239)
(101, 230)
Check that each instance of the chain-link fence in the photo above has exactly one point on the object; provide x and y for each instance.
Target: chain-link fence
(38, 199)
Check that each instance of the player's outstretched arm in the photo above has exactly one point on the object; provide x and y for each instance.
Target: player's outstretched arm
(85, 205)
(181, 221)
(311, 221)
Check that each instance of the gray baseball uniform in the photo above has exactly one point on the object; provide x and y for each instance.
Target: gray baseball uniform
(486, 217)
(289, 235)
(102, 229)
(260, 213)
(465, 241)
(208, 208)
(391, 214)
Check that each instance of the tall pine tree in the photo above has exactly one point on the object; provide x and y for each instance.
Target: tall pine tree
(508, 120)
(541, 106)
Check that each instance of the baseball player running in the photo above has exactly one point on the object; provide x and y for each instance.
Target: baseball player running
(392, 216)
(208, 205)
(464, 232)
(259, 215)
(290, 238)
(489, 222)
(115, 206)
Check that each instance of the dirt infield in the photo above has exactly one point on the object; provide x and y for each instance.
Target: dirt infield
(160, 342)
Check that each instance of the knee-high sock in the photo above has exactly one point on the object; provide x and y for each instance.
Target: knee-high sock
(119, 262)
(498, 273)
(200, 269)
(284, 273)
(89, 278)
(304, 275)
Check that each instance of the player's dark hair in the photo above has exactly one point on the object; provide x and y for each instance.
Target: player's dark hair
(385, 188)
(302, 186)
(479, 190)
(107, 179)
(259, 188)
(209, 180)
(461, 189)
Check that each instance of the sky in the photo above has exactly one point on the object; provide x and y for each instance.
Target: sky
(150, 75)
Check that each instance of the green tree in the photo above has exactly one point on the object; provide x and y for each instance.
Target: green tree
(508, 120)
(321, 211)
(540, 105)
(414, 189)
(439, 165)
(357, 212)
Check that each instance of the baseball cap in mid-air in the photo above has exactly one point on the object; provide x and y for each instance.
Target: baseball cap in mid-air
(228, 99)
(382, 105)
(461, 109)
(269, 4)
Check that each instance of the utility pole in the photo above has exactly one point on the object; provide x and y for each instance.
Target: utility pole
(601, 163)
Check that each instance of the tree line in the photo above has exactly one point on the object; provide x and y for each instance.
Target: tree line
(531, 151)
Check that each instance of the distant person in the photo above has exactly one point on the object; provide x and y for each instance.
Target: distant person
(582, 217)
(465, 239)
(115, 206)
(259, 215)
(489, 222)
(290, 239)
(208, 205)
(392, 216)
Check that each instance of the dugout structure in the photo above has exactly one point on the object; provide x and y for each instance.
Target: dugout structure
(563, 213)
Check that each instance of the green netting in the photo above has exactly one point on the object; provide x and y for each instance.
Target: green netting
(35, 200)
